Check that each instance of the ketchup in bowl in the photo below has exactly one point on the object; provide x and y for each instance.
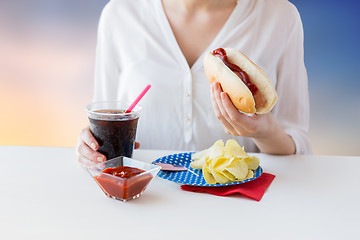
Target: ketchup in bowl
(125, 188)
(123, 178)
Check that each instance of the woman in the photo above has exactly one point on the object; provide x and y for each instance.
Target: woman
(163, 43)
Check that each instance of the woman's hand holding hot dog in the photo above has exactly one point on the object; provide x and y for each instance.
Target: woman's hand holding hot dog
(239, 86)
(263, 128)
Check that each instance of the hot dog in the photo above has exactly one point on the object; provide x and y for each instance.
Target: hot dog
(247, 85)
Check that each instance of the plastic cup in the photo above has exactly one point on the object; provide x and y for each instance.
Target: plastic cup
(113, 129)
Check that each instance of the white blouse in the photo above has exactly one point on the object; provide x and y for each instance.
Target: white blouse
(136, 47)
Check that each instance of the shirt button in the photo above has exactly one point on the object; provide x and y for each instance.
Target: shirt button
(187, 118)
(188, 94)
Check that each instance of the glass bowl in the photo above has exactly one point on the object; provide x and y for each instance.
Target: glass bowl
(123, 188)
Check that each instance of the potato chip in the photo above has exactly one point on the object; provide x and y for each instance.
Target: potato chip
(250, 174)
(216, 150)
(224, 164)
(232, 148)
(198, 155)
(219, 177)
(198, 159)
(207, 175)
(238, 168)
(220, 163)
(228, 175)
(252, 162)
(198, 164)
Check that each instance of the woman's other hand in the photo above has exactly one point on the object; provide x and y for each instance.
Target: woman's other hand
(86, 149)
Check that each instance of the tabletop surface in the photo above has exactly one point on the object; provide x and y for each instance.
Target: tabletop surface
(45, 194)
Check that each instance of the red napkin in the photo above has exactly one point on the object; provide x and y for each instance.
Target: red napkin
(254, 189)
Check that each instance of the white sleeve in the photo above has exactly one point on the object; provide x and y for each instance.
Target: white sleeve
(292, 108)
(107, 63)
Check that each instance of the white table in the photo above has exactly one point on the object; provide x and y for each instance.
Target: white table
(45, 194)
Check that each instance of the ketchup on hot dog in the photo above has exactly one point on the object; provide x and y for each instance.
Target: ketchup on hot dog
(258, 97)
(221, 53)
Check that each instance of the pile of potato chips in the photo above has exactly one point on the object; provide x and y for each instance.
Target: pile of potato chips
(224, 164)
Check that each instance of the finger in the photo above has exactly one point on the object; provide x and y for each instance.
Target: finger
(233, 116)
(89, 139)
(217, 105)
(217, 96)
(84, 162)
(84, 150)
(233, 113)
(214, 103)
(244, 124)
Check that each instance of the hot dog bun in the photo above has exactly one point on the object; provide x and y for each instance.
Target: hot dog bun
(239, 93)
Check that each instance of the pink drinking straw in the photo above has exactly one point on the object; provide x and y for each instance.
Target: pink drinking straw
(138, 98)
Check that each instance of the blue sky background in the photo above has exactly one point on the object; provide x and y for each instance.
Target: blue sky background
(332, 50)
(66, 30)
